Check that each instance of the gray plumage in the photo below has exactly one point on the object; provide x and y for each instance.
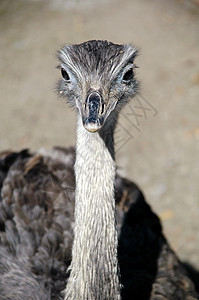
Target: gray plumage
(40, 221)
(36, 233)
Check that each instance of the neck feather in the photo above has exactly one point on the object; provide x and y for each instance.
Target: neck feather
(94, 266)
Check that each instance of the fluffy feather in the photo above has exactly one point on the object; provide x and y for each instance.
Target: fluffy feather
(36, 233)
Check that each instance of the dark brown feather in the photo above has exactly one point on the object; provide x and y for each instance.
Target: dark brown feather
(36, 233)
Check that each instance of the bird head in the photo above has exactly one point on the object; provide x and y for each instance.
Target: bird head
(97, 79)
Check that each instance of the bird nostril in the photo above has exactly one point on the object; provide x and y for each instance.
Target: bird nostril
(102, 108)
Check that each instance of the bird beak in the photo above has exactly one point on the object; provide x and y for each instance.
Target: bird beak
(93, 112)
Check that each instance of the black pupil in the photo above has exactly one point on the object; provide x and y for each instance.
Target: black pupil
(65, 74)
(128, 75)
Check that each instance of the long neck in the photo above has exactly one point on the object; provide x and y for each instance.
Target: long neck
(94, 267)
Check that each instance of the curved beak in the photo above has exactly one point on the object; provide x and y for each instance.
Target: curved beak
(93, 112)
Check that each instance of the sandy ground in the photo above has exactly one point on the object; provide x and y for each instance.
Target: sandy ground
(158, 135)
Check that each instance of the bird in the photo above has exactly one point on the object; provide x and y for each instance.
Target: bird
(70, 226)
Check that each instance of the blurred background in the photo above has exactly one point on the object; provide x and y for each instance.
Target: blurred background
(157, 138)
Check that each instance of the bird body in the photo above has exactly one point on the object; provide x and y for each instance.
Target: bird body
(69, 210)
(36, 233)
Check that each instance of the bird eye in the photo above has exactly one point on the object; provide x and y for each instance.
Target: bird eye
(65, 74)
(128, 75)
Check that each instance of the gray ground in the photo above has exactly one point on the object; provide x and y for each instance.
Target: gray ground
(157, 146)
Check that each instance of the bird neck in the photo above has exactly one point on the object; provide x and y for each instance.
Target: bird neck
(94, 266)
